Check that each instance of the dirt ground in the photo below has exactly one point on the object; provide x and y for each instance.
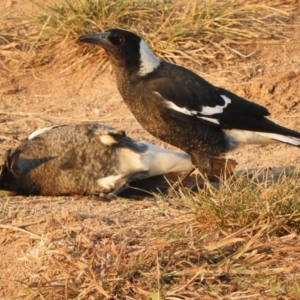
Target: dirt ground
(50, 95)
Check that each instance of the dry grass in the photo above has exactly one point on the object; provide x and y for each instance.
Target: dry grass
(196, 33)
(237, 242)
(230, 243)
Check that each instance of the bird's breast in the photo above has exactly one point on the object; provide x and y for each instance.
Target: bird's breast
(154, 117)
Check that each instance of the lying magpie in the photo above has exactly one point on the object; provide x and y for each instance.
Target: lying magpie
(181, 108)
(90, 159)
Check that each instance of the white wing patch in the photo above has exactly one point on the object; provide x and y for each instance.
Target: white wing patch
(208, 111)
(185, 111)
(148, 61)
(173, 106)
(211, 120)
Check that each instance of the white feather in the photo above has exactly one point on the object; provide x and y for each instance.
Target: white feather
(154, 161)
(173, 106)
(212, 120)
(148, 61)
(109, 182)
(130, 162)
(206, 110)
(185, 111)
(40, 131)
(108, 140)
(281, 138)
(236, 136)
(163, 161)
(218, 109)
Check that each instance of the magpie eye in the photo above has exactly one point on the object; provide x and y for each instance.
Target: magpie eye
(121, 40)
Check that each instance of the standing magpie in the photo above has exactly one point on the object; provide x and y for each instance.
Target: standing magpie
(181, 108)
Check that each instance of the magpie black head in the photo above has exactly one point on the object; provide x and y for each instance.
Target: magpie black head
(125, 48)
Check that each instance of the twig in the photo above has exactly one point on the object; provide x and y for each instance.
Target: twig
(34, 236)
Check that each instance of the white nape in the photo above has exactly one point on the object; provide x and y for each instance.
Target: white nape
(148, 61)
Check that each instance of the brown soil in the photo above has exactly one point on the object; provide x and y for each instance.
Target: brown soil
(271, 77)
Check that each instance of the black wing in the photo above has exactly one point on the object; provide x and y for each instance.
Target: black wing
(192, 99)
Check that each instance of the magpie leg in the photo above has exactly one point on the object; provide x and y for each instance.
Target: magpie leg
(182, 178)
(202, 162)
(215, 170)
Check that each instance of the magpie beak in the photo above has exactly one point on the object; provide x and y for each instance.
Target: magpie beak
(100, 39)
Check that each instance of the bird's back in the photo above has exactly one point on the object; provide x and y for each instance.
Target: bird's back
(64, 160)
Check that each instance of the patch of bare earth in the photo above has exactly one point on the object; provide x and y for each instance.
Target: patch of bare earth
(33, 227)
